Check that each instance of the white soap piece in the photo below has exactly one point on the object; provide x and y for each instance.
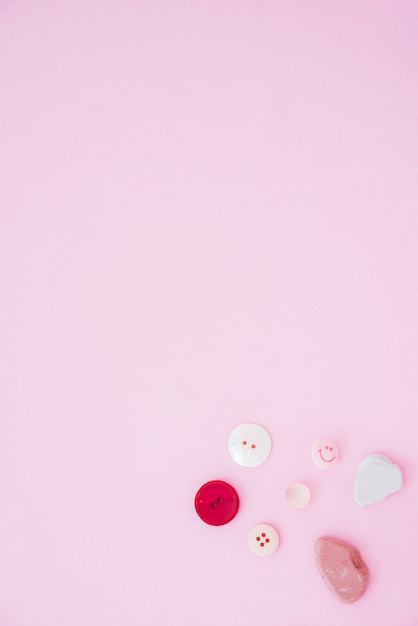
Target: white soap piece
(377, 478)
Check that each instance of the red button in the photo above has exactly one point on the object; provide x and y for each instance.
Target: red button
(216, 503)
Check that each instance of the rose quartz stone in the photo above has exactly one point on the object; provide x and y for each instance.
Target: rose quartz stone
(342, 568)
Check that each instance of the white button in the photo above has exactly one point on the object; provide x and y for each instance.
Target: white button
(263, 539)
(325, 453)
(249, 445)
(298, 495)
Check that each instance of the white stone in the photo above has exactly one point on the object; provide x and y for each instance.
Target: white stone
(377, 478)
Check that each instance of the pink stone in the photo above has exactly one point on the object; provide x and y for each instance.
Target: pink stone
(342, 568)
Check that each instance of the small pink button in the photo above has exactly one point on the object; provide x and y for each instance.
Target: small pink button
(298, 495)
(216, 502)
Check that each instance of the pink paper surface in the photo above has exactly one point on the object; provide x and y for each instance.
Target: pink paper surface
(208, 216)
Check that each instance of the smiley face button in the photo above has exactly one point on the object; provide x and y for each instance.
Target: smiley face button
(263, 539)
(249, 445)
(325, 453)
(216, 502)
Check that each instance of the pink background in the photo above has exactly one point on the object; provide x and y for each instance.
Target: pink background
(208, 215)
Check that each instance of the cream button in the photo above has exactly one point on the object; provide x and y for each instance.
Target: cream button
(325, 453)
(249, 445)
(263, 539)
(298, 495)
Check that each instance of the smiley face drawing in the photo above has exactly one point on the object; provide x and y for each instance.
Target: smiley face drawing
(325, 453)
(249, 445)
